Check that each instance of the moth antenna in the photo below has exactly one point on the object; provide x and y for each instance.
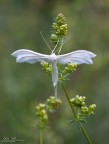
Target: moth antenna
(45, 41)
(62, 43)
(55, 46)
(59, 49)
(67, 39)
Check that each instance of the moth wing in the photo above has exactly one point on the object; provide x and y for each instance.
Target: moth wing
(29, 56)
(77, 57)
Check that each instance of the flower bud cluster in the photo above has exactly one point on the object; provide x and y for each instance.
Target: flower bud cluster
(46, 67)
(42, 116)
(70, 68)
(59, 27)
(42, 110)
(53, 104)
(88, 110)
(79, 102)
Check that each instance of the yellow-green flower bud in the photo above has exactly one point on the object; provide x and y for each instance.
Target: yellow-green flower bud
(60, 19)
(43, 112)
(42, 117)
(93, 106)
(46, 67)
(70, 68)
(88, 110)
(78, 101)
(59, 28)
(45, 117)
(85, 109)
(54, 37)
(53, 104)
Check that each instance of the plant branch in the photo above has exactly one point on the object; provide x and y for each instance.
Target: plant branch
(72, 108)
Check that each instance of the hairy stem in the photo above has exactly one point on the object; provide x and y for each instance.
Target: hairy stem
(72, 108)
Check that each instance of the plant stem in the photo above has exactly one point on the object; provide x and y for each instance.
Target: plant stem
(41, 136)
(72, 108)
(85, 133)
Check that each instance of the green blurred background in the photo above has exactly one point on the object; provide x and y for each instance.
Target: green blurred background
(23, 86)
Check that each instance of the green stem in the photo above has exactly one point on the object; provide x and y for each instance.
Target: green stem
(85, 133)
(81, 126)
(41, 136)
(68, 99)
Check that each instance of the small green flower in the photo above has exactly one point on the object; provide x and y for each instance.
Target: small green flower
(92, 108)
(53, 104)
(54, 37)
(55, 26)
(60, 19)
(46, 67)
(71, 67)
(85, 109)
(88, 110)
(78, 101)
(40, 107)
(59, 28)
(42, 117)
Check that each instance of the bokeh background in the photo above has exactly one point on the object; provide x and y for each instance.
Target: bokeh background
(23, 86)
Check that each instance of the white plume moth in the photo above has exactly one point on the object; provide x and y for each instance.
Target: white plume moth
(76, 57)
